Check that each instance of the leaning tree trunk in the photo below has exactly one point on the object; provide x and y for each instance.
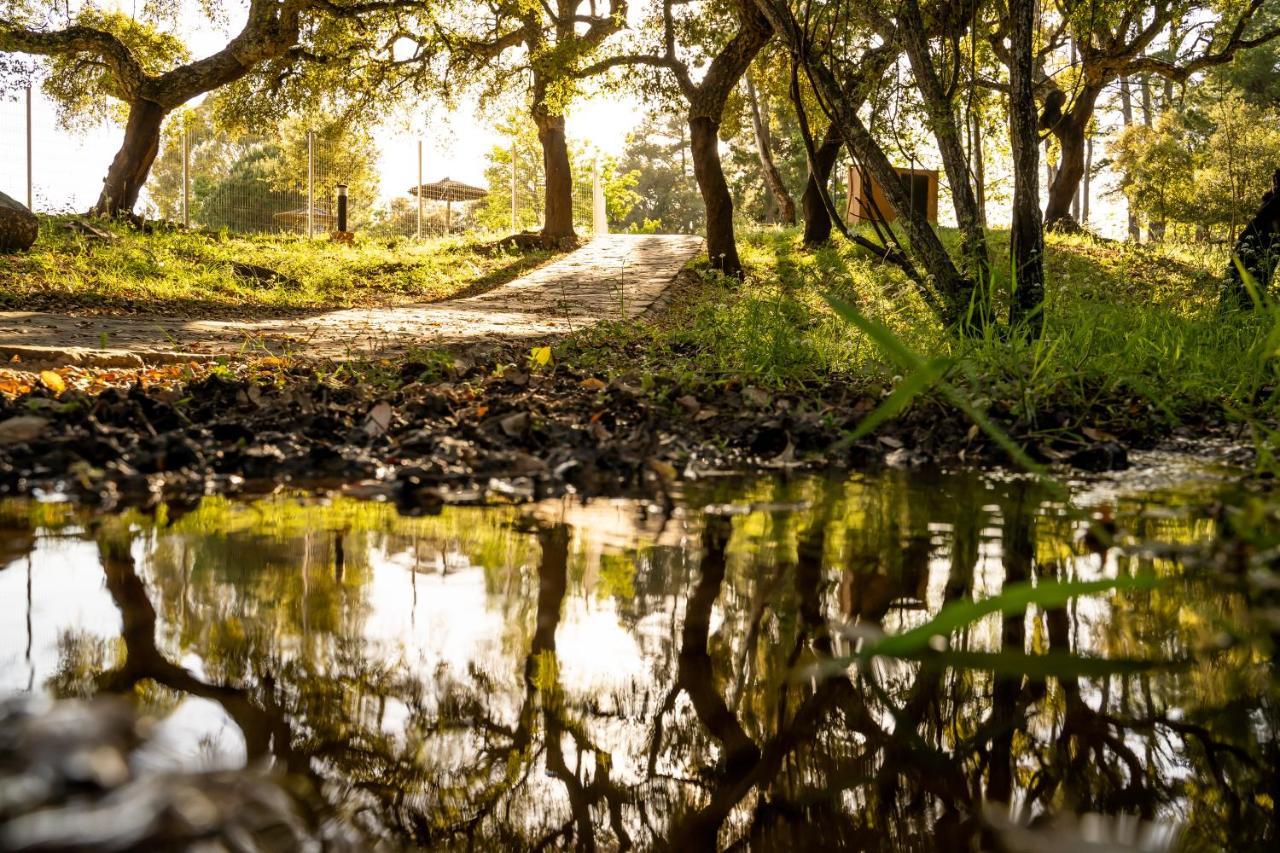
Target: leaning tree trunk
(704, 143)
(941, 117)
(557, 222)
(786, 205)
(133, 161)
(817, 222)
(1070, 133)
(1027, 237)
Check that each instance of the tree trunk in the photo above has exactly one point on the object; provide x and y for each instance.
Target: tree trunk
(557, 222)
(704, 143)
(133, 161)
(941, 117)
(1070, 133)
(785, 205)
(817, 222)
(1026, 240)
(979, 167)
(1085, 184)
(1126, 113)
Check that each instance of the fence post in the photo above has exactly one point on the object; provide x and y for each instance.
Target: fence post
(311, 184)
(186, 173)
(419, 192)
(30, 169)
(515, 227)
(599, 213)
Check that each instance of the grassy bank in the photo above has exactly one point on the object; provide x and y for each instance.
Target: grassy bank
(1134, 339)
(193, 274)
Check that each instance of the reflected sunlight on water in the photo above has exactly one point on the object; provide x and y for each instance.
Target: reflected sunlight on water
(607, 675)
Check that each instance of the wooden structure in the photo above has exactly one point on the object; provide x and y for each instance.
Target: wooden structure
(448, 191)
(864, 198)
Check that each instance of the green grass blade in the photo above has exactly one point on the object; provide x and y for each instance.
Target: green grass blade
(1014, 598)
(907, 390)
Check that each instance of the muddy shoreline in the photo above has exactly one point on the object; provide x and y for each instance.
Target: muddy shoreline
(487, 427)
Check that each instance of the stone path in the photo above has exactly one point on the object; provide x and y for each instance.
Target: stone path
(612, 277)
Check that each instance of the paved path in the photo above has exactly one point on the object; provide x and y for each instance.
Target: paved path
(617, 276)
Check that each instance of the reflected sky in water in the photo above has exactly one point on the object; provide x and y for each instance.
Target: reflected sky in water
(609, 676)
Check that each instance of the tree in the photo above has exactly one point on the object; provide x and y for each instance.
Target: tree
(521, 138)
(667, 195)
(726, 38)
(1115, 40)
(1026, 239)
(96, 55)
(837, 48)
(762, 132)
(554, 40)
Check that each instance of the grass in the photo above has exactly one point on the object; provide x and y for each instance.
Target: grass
(1133, 339)
(190, 273)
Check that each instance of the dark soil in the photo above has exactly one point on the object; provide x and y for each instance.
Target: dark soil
(479, 430)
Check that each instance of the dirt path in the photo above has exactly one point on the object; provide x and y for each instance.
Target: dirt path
(614, 277)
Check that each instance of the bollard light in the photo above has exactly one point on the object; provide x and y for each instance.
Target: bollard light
(342, 208)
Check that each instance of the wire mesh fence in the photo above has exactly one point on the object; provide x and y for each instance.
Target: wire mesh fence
(283, 183)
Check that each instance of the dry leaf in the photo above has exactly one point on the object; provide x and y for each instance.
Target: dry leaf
(379, 420)
(593, 384)
(53, 381)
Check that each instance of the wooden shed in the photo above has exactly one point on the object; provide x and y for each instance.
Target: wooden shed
(921, 186)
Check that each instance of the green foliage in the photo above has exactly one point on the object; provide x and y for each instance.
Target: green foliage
(520, 137)
(1205, 167)
(242, 182)
(81, 87)
(666, 196)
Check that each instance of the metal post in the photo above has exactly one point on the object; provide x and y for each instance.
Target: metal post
(514, 220)
(342, 208)
(311, 184)
(599, 212)
(419, 193)
(186, 174)
(30, 168)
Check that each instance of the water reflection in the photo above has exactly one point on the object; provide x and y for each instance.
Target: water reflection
(607, 676)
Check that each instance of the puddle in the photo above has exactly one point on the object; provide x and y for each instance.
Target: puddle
(607, 676)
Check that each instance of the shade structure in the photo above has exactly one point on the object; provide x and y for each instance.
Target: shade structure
(298, 218)
(449, 190)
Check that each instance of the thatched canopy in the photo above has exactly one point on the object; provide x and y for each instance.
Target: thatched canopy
(449, 190)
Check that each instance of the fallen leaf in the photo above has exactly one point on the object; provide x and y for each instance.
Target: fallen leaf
(690, 403)
(756, 397)
(515, 425)
(379, 420)
(593, 384)
(540, 356)
(53, 381)
(890, 441)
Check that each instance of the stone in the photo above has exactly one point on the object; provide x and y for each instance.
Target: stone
(18, 226)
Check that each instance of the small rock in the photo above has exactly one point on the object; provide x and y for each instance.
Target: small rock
(19, 227)
(22, 429)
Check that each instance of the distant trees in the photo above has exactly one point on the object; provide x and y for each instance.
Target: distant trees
(1204, 166)
(521, 139)
(243, 181)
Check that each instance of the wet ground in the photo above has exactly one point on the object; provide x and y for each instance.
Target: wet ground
(778, 663)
